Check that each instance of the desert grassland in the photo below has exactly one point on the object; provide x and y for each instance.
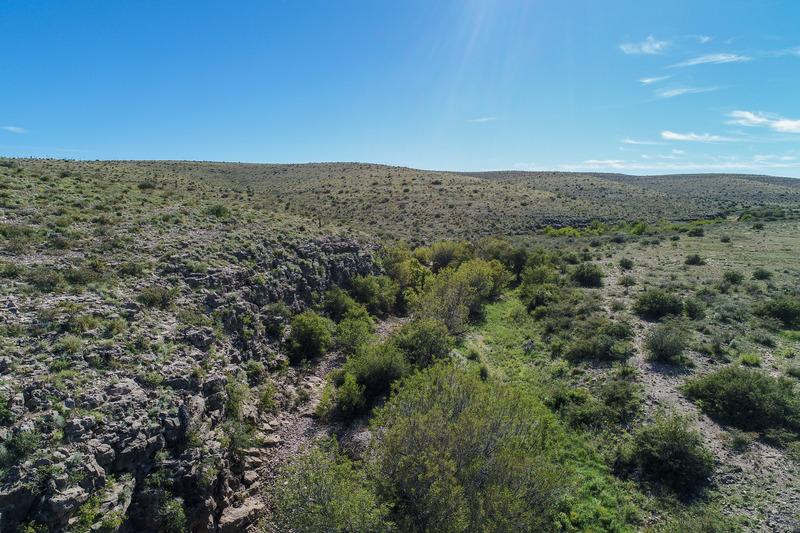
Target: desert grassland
(755, 480)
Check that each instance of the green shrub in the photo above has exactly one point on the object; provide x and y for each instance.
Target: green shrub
(254, 370)
(171, 516)
(785, 309)
(656, 303)
(455, 453)
(667, 342)
(350, 395)
(694, 259)
(19, 446)
(602, 346)
(535, 296)
(43, 278)
(266, 398)
(669, 452)
(750, 359)
(725, 238)
(338, 303)
(423, 341)
(218, 211)
(321, 490)
(626, 263)
(310, 337)
(588, 275)
(762, 274)
(158, 296)
(353, 333)
(377, 367)
(696, 231)
(450, 254)
(746, 398)
(733, 277)
(7, 417)
(695, 309)
(377, 293)
(237, 392)
(621, 398)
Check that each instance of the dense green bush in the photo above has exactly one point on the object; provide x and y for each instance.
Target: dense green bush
(733, 277)
(696, 231)
(19, 446)
(785, 309)
(669, 452)
(588, 275)
(354, 332)
(749, 399)
(218, 211)
(450, 254)
(454, 453)
(423, 341)
(694, 259)
(350, 395)
(310, 337)
(762, 274)
(626, 263)
(448, 298)
(338, 303)
(602, 346)
(376, 367)
(695, 309)
(667, 342)
(656, 303)
(377, 293)
(158, 296)
(43, 278)
(535, 296)
(321, 490)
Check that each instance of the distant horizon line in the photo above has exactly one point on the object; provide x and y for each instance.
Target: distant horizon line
(485, 171)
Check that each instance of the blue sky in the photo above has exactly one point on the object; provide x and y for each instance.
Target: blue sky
(641, 87)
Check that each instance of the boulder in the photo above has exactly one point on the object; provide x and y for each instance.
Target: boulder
(235, 519)
(200, 336)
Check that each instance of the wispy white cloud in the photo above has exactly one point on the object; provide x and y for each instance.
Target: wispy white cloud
(648, 46)
(631, 141)
(611, 162)
(768, 120)
(786, 51)
(759, 164)
(483, 119)
(670, 93)
(706, 137)
(712, 58)
(13, 129)
(653, 80)
(704, 38)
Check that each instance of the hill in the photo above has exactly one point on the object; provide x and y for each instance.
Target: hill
(423, 206)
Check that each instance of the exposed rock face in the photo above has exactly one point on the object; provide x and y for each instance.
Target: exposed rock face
(151, 421)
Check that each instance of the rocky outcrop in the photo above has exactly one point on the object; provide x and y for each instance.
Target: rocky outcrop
(170, 419)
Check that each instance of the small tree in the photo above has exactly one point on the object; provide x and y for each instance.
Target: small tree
(310, 337)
